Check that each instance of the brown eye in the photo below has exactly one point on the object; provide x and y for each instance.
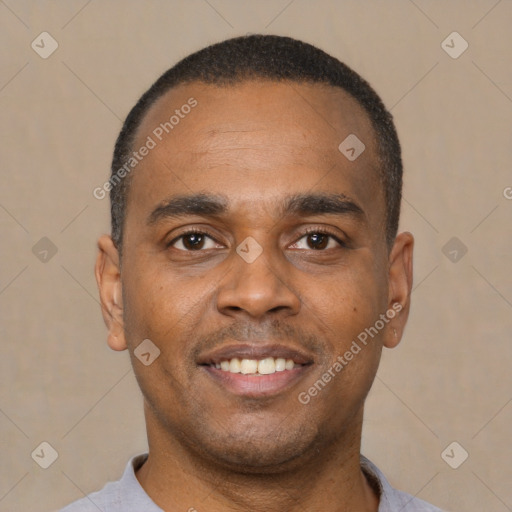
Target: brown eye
(318, 240)
(193, 241)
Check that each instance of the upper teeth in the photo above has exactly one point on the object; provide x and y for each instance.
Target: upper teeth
(254, 366)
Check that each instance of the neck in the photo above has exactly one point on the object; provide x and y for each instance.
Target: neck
(329, 478)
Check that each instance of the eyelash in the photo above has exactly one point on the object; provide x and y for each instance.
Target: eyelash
(310, 230)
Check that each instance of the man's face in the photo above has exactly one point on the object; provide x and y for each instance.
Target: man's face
(321, 278)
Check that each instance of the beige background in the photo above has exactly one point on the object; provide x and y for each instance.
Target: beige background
(450, 378)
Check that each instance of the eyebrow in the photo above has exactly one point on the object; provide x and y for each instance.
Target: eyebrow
(197, 204)
(318, 204)
(215, 205)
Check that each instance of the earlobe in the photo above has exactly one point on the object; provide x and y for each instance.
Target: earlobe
(399, 289)
(108, 277)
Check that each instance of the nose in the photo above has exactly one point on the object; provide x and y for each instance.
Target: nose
(257, 288)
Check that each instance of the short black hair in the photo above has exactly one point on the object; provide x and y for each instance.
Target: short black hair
(273, 58)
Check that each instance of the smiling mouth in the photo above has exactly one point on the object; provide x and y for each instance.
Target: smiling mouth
(256, 371)
(256, 367)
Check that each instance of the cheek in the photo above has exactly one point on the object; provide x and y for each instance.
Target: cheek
(160, 308)
(159, 305)
(347, 303)
(350, 305)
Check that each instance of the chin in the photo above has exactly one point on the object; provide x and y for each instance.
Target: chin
(258, 461)
(259, 452)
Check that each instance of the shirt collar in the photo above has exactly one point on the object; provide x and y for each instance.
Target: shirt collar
(132, 491)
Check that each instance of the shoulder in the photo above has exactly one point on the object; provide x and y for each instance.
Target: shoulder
(118, 496)
(391, 499)
(107, 499)
(406, 503)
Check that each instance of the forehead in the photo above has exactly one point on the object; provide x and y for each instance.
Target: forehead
(253, 140)
(322, 111)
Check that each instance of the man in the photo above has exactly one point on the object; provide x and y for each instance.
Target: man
(254, 274)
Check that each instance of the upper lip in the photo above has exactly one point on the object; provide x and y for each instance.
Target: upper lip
(251, 351)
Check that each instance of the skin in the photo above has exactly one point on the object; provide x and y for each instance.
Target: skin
(255, 143)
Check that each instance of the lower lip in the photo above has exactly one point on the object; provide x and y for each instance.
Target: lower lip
(256, 385)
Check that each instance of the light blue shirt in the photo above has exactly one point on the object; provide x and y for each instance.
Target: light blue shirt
(127, 495)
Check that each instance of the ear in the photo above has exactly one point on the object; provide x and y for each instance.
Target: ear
(399, 286)
(108, 277)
